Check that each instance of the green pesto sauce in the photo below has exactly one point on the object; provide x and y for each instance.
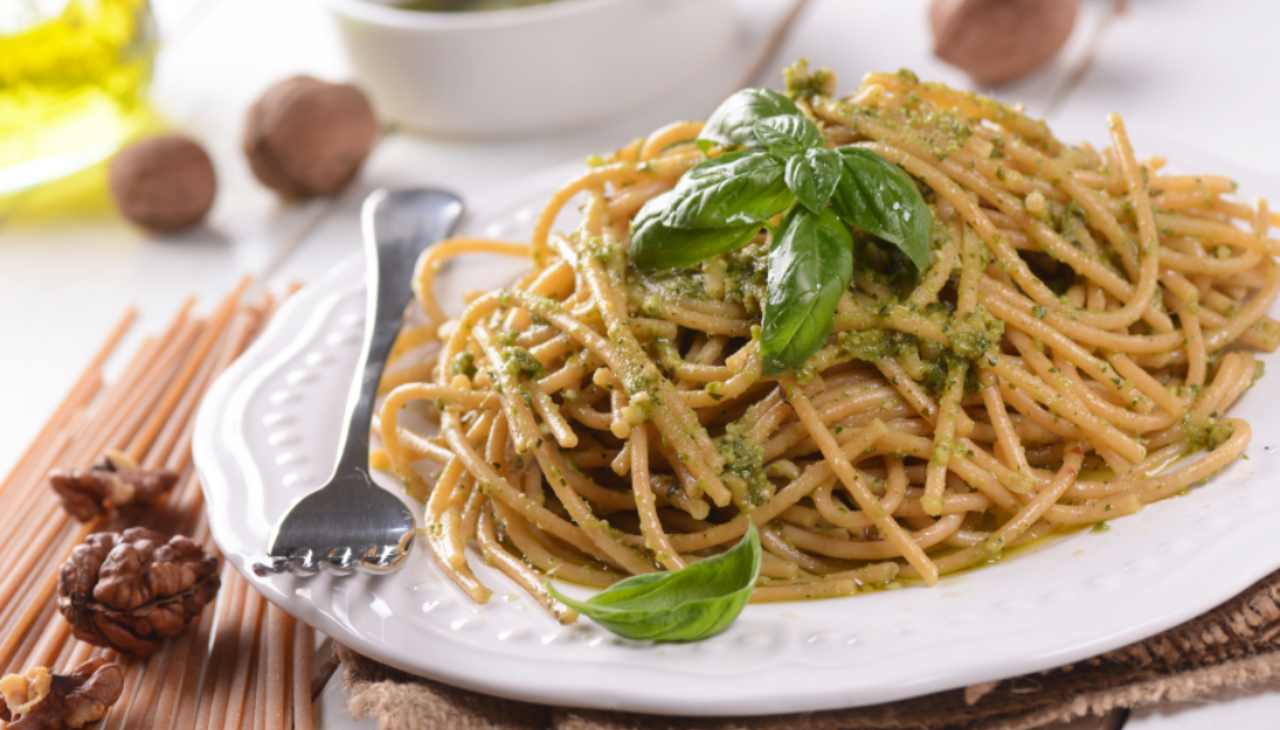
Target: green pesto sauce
(875, 344)
(973, 335)
(464, 363)
(744, 459)
(802, 82)
(1204, 434)
(521, 364)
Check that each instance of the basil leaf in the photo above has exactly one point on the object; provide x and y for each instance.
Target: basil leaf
(716, 207)
(731, 124)
(810, 265)
(813, 176)
(880, 198)
(740, 187)
(786, 134)
(690, 604)
(655, 245)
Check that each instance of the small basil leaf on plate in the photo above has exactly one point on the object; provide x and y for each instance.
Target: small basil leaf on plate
(737, 188)
(690, 604)
(786, 134)
(813, 176)
(878, 197)
(810, 265)
(731, 123)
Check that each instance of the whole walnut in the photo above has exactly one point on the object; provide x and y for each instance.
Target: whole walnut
(163, 183)
(998, 41)
(41, 700)
(307, 137)
(132, 590)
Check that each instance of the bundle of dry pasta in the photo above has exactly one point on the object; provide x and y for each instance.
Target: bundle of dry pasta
(1084, 322)
(245, 663)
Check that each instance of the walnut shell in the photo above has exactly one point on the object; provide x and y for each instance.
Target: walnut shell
(109, 484)
(163, 183)
(130, 591)
(998, 41)
(40, 700)
(306, 137)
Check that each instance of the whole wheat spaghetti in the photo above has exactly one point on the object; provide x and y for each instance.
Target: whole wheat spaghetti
(1069, 355)
(242, 659)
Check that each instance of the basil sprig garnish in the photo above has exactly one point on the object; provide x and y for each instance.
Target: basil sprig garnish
(690, 604)
(775, 163)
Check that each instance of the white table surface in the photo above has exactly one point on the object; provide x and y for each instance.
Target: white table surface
(1182, 69)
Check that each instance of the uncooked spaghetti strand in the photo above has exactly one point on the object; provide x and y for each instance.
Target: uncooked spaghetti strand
(85, 386)
(119, 427)
(218, 322)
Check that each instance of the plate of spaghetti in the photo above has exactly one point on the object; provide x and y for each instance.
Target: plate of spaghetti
(825, 401)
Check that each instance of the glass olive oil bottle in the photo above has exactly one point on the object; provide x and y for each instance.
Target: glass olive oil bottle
(73, 76)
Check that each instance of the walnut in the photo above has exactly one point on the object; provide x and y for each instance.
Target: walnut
(130, 591)
(306, 137)
(39, 700)
(163, 183)
(997, 41)
(115, 481)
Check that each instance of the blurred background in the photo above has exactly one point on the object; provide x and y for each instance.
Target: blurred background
(477, 95)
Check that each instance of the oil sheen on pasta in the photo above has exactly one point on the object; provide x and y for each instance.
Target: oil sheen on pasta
(1070, 355)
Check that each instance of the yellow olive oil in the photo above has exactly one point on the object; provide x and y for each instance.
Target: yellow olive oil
(73, 77)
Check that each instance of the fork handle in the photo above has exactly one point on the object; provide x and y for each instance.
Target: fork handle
(397, 226)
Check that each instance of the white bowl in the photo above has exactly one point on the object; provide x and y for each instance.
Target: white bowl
(506, 72)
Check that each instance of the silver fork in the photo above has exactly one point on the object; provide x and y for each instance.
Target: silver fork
(350, 522)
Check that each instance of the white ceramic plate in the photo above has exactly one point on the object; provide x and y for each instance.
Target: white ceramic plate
(267, 433)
